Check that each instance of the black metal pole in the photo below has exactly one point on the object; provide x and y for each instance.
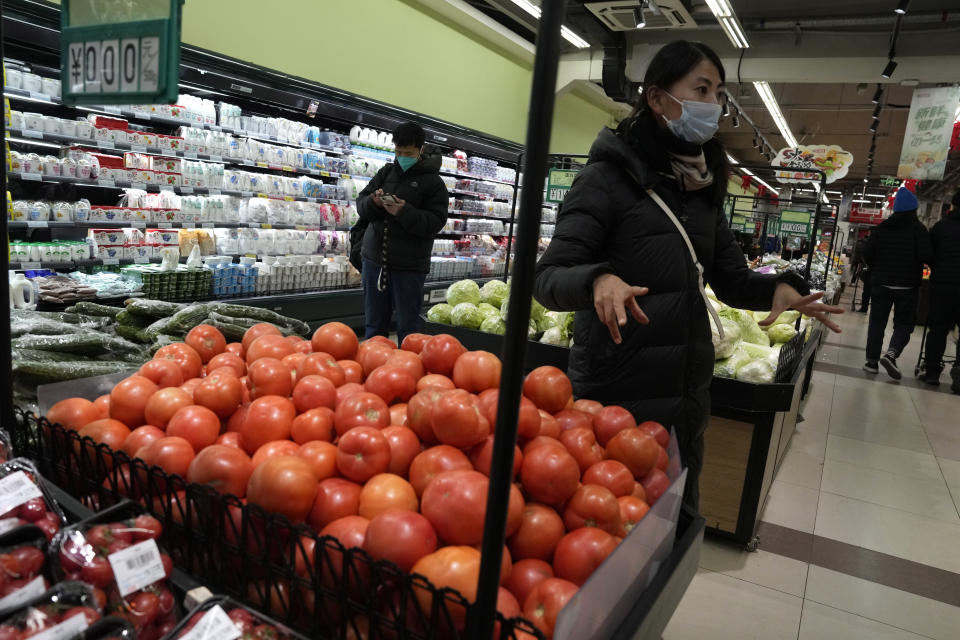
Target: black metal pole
(539, 124)
(816, 223)
(7, 418)
(513, 217)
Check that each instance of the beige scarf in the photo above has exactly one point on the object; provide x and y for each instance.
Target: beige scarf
(691, 171)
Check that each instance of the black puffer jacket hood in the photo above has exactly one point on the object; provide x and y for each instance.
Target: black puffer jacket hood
(945, 237)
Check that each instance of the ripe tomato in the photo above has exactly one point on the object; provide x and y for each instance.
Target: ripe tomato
(268, 346)
(314, 391)
(455, 503)
(408, 361)
(635, 449)
(545, 601)
(393, 384)
(224, 468)
(655, 484)
(268, 418)
(398, 414)
(102, 403)
(197, 425)
(336, 498)
(139, 438)
(376, 355)
(611, 421)
(230, 439)
(106, 431)
(350, 531)
(541, 528)
(172, 454)
(456, 567)
(320, 363)
(476, 371)
(236, 420)
(227, 359)
(414, 342)
(632, 510)
(611, 474)
(549, 426)
(587, 406)
(639, 491)
(420, 413)
(361, 410)
(352, 370)
(268, 376)
(293, 361)
(440, 353)
(164, 373)
(206, 341)
(482, 457)
(222, 393)
(456, 421)
(656, 431)
(582, 445)
(362, 452)
(385, 492)
(404, 447)
(573, 419)
(274, 449)
(315, 424)
(346, 390)
(581, 551)
(549, 473)
(186, 356)
(236, 349)
(435, 381)
(380, 340)
(549, 388)
(400, 536)
(528, 419)
(257, 330)
(191, 385)
(283, 485)
(129, 399)
(73, 413)
(427, 464)
(527, 574)
(321, 456)
(337, 339)
(593, 506)
(663, 460)
(301, 345)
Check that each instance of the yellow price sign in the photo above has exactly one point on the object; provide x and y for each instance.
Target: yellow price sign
(289, 198)
(262, 195)
(266, 226)
(263, 165)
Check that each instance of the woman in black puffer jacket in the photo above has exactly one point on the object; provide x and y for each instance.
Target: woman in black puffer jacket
(615, 242)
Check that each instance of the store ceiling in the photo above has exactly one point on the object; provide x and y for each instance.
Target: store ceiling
(822, 59)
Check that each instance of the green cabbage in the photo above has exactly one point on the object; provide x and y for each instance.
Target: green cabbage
(780, 333)
(494, 292)
(757, 371)
(560, 319)
(466, 315)
(440, 313)
(494, 324)
(787, 317)
(750, 330)
(537, 311)
(488, 310)
(727, 367)
(532, 330)
(463, 291)
(724, 347)
(555, 336)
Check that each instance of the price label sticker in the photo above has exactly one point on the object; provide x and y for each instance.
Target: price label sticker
(289, 198)
(248, 162)
(30, 265)
(189, 225)
(262, 195)
(345, 176)
(32, 177)
(141, 260)
(142, 115)
(207, 225)
(30, 133)
(311, 199)
(288, 168)
(105, 144)
(9, 524)
(16, 489)
(246, 194)
(35, 224)
(214, 127)
(165, 225)
(69, 628)
(142, 186)
(263, 165)
(112, 109)
(36, 95)
(138, 148)
(315, 172)
(253, 225)
(107, 183)
(137, 566)
(167, 187)
(325, 174)
(214, 192)
(111, 261)
(190, 155)
(266, 226)
(138, 224)
(186, 189)
(216, 158)
(215, 623)
(300, 227)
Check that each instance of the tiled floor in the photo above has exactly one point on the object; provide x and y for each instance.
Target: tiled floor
(874, 469)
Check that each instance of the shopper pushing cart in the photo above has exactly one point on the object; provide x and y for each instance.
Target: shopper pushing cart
(944, 295)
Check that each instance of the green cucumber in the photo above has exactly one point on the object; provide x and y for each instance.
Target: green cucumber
(94, 309)
(262, 315)
(42, 372)
(154, 308)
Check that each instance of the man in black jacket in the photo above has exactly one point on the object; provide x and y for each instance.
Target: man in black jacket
(401, 211)
(944, 294)
(862, 272)
(896, 252)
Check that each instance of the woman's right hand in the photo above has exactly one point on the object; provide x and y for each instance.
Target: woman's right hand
(376, 198)
(611, 298)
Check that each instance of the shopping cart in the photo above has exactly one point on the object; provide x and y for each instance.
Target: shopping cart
(948, 360)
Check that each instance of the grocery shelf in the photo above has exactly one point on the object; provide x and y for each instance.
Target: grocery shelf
(43, 224)
(479, 196)
(470, 214)
(463, 174)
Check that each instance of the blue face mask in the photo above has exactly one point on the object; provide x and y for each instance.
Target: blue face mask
(405, 162)
(697, 123)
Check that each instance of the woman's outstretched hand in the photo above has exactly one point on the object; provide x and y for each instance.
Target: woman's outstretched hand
(786, 297)
(612, 297)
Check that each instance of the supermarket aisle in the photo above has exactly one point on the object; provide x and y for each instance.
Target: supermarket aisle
(860, 536)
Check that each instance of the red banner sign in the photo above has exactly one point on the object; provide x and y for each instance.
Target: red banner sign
(862, 215)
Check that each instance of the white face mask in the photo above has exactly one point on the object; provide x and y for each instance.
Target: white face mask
(697, 123)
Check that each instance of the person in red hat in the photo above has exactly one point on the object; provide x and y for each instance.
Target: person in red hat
(944, 294)
(896, 252)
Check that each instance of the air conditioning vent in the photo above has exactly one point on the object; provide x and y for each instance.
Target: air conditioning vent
(618, 16)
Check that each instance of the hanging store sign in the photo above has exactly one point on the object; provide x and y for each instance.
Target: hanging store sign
(926, 141)
(738, 223)
(773, 226)
(831, 159)
(120, 53)
(559, 182)
(889, 181)
(863, 215)
(795, 223)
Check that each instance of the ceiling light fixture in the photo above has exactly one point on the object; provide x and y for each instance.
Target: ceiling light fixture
(878, 94)
(889, 69)
(567, 34)
(771, 102)
(866, 180)
(736, 122)
(728, 20)
(902, 7)
(639, 18)
(873, 127)
(35, 143)
(876, 111)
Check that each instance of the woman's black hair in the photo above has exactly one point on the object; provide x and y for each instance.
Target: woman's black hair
(671, 63)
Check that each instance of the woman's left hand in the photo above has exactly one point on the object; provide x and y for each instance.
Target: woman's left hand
(786, 297)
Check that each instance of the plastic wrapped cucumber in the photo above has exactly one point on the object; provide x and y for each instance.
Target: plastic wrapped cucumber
(132, 333)
(232, 332)
(133, 320)
(94, 309)
(83, 343)
(155, 308)
(44, 327)
(49, 356)
(45, 372)
(261, 315)
(187, 318)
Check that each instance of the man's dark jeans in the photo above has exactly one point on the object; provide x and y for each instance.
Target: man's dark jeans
(944, 316)
(404, 294)
(904, 303)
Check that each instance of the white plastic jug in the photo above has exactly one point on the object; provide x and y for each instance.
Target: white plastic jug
(20, 292)
(355, 134)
